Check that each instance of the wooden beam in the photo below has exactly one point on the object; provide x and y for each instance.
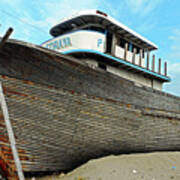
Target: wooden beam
(5, 37)
(125, 51)
(127, 35)
(120, 30)
(121, 33)
(159, 68)
(11, 134)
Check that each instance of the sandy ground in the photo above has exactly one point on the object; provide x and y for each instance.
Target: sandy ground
(152, 166)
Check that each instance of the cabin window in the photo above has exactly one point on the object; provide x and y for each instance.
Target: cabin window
(138, 50)
(143, 53)
(130, 47)
(108, 42)
(102, 66)
(122, 43)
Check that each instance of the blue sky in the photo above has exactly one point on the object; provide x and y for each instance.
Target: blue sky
(157, 20)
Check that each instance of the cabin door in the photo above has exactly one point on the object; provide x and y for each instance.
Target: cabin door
(108, 42)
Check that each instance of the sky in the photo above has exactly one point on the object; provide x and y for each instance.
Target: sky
(157, 20)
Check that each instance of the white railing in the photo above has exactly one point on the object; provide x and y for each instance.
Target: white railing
(139, 60)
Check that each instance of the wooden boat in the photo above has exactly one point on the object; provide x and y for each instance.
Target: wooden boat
(64, 111)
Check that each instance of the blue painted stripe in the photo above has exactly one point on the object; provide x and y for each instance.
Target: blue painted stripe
(165, 78)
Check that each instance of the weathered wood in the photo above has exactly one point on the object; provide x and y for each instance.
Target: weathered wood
(165, 68)
(125, 51)
(134, 55)
(43, 136)
(159, 68)
(153, 63)
(11, 134)
(140, 58)
(6, 36)
(64, 104)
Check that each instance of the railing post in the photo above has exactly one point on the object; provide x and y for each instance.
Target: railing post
(125, 51)
(114, 43)
(140, 58)
(153, 63)
(159, 69)
(147, 65)
(134, 56)
(165, 68)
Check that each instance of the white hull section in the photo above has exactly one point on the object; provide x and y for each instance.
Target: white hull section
(87, 40)
(83, 39)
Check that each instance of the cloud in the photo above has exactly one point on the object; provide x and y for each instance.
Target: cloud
(143, 7)
(175, 36)
(38, 21)
(11, 3)
(174, 56)
(174, 68)
(175, 45)
(174, 72)
(174, 64)
(33, 24)
(64, 8)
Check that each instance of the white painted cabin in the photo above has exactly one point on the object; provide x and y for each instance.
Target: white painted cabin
(107, 44)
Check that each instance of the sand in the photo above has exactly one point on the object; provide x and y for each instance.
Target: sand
(151, 166)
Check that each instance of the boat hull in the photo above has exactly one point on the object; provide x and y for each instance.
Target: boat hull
(64, 113)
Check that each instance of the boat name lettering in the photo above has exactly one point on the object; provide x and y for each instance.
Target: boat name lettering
(99, 42)
(59, 44)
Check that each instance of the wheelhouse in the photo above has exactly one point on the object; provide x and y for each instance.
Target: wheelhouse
(107, 44)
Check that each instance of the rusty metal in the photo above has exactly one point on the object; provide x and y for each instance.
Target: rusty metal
(11, 136)
(8, 169)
